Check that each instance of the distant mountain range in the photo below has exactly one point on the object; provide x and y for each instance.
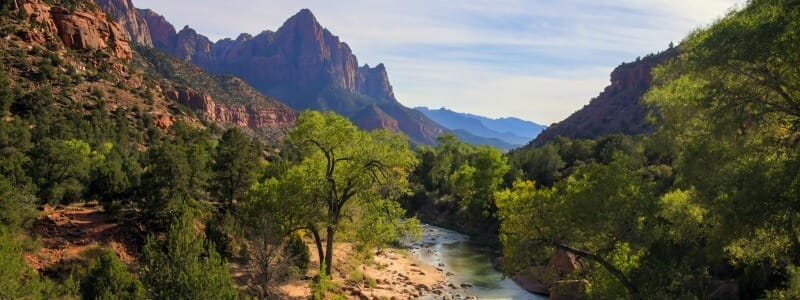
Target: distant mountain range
(301, 64)
(503, 133)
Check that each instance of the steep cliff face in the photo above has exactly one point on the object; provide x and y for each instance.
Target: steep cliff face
(123, 12)
(374, 82)
(372, 117)
(161, 32)
(301, 63)
(225, 100)
(84, 29)
(617, 109)
(247, 116)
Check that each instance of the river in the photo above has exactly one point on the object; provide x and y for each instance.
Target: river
(467, 264)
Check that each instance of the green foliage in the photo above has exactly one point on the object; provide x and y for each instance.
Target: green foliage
(7, 93)
(609, 215)
(345, 171)
(470, 173)
(323, 286)
(233, 167)
(17, 281)
(177, 175)
(297, 250)
(792, 288)
(729, 108)
(61, 169)
(16, 207)
(108, 278)
(185, 265)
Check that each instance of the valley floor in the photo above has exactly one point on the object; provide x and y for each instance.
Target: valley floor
(67, 234)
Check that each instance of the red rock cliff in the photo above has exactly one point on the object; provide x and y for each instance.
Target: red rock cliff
(301, 63)
(232, 114)
(83, 29)
(617, 108)
(124, 13)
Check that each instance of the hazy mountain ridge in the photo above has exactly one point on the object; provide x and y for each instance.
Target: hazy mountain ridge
(506, 133)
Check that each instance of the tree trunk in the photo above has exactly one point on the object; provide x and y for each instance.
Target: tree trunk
(633, 292)
(329, 250)
(318, 241)
(793, 239)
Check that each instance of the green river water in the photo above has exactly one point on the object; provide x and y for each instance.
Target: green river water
(467, 264)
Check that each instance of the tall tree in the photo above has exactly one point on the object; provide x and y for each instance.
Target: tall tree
(730, 105)
(347, 168)
(234, 166)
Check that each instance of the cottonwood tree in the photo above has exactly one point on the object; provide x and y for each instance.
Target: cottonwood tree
(730, 105)
(344, 169)
(605, 214)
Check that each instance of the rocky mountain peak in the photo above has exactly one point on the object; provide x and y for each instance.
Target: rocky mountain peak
(375, 82)
(123, 11)
(302, 64)
(162, 33)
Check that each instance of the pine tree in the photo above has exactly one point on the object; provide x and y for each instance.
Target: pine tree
(185, 265)
(108, 278)
(233, 167)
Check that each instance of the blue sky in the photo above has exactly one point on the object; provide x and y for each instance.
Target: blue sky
(538, 60)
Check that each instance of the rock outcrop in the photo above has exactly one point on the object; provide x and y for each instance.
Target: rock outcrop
(83, 29)
(246, 116)
(549, 279)
(617, 109)
(125, 14)
(161, 32)
(373, 117)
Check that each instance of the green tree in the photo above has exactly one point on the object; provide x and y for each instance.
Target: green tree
(605, 214)
(347, 168)
(165, 184)
(234, 166)
(17, 281)
(108, 278)
(730, 107)
(61, 168)
(16, 206)
(185, 265)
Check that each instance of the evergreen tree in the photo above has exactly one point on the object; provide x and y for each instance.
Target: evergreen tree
(108, 278)
(234, 166)
(185, 265)
(17, 281)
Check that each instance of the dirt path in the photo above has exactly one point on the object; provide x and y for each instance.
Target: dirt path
(68, 231)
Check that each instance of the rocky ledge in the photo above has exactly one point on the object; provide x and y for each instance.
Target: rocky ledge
(245, 116)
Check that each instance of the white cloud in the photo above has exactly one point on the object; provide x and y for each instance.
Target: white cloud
(539, 60)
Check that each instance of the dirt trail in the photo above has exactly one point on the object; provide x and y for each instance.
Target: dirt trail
(68, 231)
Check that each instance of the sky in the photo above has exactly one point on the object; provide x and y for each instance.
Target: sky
(539, 60)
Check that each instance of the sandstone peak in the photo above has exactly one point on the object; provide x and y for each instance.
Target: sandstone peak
(304, 65)
(303, 21)
(617, 109)
(124, 13)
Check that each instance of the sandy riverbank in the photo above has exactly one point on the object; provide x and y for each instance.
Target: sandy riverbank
(388, 274)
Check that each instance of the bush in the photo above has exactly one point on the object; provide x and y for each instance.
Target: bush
(108, 278)
(298, 253)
